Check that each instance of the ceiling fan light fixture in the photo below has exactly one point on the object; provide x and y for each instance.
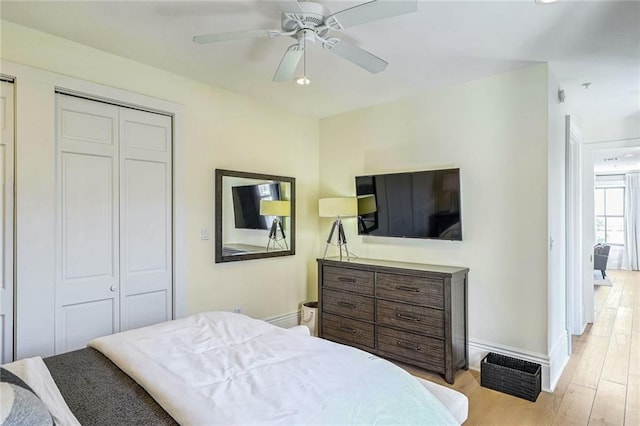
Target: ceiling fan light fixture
(303, 81)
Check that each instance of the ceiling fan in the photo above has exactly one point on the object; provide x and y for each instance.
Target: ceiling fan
(309, 22)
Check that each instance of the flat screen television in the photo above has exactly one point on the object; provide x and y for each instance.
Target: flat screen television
(424, 204)
(246, 204)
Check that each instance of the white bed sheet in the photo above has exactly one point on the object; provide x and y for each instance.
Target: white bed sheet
(457, 403)
(224, 368)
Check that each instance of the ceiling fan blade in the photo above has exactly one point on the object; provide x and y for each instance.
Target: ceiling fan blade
(235, 35)
(288, 64)
(368, 12)
(360, 57)
(289, 6)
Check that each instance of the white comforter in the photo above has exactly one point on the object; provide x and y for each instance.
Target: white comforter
(224, 368)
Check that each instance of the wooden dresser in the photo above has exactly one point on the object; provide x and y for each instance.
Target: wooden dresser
(409, 312)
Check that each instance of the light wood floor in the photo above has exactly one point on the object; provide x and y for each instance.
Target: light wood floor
(601, 384)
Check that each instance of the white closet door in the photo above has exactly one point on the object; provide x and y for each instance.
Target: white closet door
(6, 222)
(145, 218)
(87, 273)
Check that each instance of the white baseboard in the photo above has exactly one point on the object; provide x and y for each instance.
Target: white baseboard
(559, 358)
(285, 321)
(552, 365)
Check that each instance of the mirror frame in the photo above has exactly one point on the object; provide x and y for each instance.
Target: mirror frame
(219, 257)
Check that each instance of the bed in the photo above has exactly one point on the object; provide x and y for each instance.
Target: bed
(225, 368)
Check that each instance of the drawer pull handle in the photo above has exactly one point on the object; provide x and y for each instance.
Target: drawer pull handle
(347, 305)
(347, 280)
(347, 329)
(408, 345)
(407, 317)
(405, 288)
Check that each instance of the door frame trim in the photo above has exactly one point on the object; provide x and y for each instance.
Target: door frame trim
(575, 315)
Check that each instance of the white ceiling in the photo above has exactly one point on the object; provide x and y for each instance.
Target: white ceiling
(617, 161)
(443, 43)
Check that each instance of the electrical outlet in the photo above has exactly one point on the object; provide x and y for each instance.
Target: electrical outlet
(204, 234)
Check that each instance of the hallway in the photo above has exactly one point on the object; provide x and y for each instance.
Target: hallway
(601, 384)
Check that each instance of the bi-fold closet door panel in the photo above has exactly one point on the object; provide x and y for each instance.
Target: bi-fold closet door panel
(87, 274)
(114, 220)
(145, 218)
(6, 221)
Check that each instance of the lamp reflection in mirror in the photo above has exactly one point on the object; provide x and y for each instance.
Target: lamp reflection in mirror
(277, 209)
(338, 208)
(366, 205)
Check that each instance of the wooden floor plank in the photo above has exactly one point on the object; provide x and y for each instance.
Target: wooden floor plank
(590, 366)
(616, 363)
(624, 321)
(634, 355)
(608, 405)
(605, 322)
(613, 300)
(577, 347)
(636, 320)
(632, 412)
(522, 412)
(601, 293)
(628, 299)
(575, 408)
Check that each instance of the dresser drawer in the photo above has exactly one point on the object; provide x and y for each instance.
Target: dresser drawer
(348, 331)
(348, 279)
(413, 348)
(407, 288)
(422, 320)
(348, 304)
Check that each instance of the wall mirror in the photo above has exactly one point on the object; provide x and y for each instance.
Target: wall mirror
(255, 216)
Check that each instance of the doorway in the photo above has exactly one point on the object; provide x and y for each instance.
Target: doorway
(601, 158)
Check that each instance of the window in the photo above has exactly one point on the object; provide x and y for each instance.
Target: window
(610, 215)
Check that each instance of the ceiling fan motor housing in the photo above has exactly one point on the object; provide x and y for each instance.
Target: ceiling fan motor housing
(312, 16)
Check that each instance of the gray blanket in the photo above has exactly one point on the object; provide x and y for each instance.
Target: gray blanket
(99, 393)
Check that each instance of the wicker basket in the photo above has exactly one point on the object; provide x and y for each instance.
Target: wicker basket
(510, 375)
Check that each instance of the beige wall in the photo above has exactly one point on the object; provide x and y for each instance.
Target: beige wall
(221, 130)
(495, 131)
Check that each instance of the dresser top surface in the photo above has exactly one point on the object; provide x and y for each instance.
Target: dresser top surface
(335, 261)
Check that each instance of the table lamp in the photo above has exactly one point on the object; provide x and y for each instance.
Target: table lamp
(277, 209)
(338, 208)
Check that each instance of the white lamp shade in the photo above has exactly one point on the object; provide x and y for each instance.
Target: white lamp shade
(367, 204)
(333, 207)
(275, 208)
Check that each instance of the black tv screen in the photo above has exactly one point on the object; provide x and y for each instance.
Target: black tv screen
(246, 204)
(423, 204)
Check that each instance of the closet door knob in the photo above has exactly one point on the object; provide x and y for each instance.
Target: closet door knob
(112, 288)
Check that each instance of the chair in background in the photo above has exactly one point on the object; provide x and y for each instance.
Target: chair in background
(600, 258)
